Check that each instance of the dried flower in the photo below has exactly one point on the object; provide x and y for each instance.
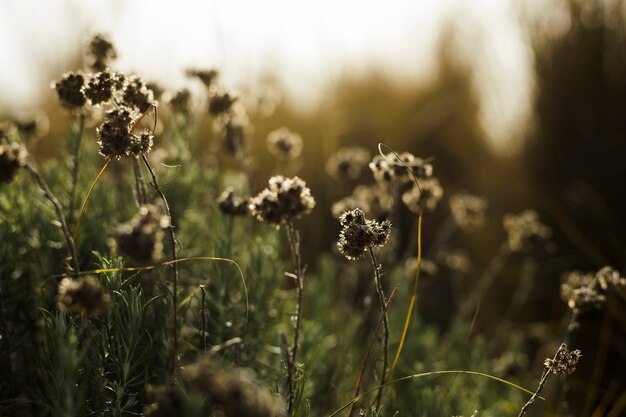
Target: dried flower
(100, 52)
(83, 296)
(115, 136)
(12, 158)
(234, 392)
(221, 102)
(564, 362)
(428, 193)
(232, 128)
(359, 234)
(136, 94)
(102, 85)
(284, 144)
(468, 210)
(232, 205)
(284, 199)
(347, 163)
(522, 228)
(456, 260)
(181, 101)
(402, 168)
(370, 198)
(609, 277)
(70, 90)
(141, 239)
(207, 76)
(157, 90)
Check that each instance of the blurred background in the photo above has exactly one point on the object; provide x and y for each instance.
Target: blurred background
(521, 102)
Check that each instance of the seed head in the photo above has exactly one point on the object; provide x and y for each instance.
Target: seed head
(370, 198)
(347, 163)
(70, 90)
(581, 293)
(221, 102)
(136, 94)
(181, 101)
(83, 296)
(141, 239)
(523, 228)
(12, 158)
(207, 76)
(102, 86)
(428, 193)
(609, 277)
(284, 199)
(231, 128)
(100, 52)
(284, 144)
(402, 168)
(468, 210)
(358, 234)
(231, 205)
(564, 362)
(114, 136)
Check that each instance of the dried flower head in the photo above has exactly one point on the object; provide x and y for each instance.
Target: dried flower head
(429, 193)
(136, 94)
(12, 158)
(115, 136)
(283, 200)
(359, 234)
(141, 239)
(455, 259)
(82, 296)
(370, 198)
(207, 76)
(232, 205)
(522, 228)
(347, 163)
(564, 362)
(234, 392)
(581, 293)
(232, 128)
(221, 102)
(102, 86)
(100, 52)
(180, 102)
(401, 168)
(157, 90)
(284, 144)
(70, 90)
(468, 210)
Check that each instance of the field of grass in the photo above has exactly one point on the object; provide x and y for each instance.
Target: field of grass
(162, 265)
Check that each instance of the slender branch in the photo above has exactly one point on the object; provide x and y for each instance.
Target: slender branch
(203, 316)
(140, 185)
(383, 303)
(71, 248)
(544, 378)
(75, 154)
(172, 236)
(294, 242)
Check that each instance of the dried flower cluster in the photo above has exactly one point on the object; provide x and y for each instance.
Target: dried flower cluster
(100, 52)
(359, 234)
(234, 392)
(428, 194)
(232, 205)
(468, 210)
(284, 144)
(564, 362)
(400, 168)
(523, 228)
(142, 238)
(220, 101)
(370, 198)
(115, 136)
(347, 163)
(180, 102)
(12, 158)
(584, 292)
(284, 199)
(206, 76)
(82, 296)
(232, 128)
(70, 90)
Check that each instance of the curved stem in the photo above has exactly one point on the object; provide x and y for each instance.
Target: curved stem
(69, 241)
(75, 154)
(383, 306)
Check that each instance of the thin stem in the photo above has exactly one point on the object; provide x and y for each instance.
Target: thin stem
(75, 154)
(172, 236)
(383, 304)
(203, 316)
(294, 242)
(71, 248)
(544, 378)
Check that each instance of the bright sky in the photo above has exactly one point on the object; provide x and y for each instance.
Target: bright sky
(305, 44)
